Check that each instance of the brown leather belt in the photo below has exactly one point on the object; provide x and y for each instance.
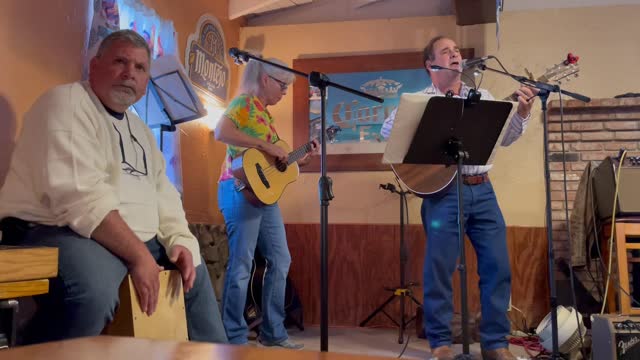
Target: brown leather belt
(475, 179)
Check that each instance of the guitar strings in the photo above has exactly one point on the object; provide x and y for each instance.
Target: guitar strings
(299, 152)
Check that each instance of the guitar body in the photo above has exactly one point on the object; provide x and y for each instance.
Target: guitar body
(264, 177)
(425, 180)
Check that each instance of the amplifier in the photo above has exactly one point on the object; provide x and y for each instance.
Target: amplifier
(615, 337)
(604, 187)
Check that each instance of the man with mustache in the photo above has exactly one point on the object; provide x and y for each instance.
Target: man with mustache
(86, 177)
(484, 223)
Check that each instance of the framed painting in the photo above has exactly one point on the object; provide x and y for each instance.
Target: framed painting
(358, 145)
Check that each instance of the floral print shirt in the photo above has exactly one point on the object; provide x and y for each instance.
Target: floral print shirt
(252, 118)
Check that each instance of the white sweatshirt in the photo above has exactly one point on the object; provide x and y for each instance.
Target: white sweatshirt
(67, 170)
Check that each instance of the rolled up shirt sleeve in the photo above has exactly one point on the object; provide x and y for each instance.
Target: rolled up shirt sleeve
(73, 165)
(174, 228)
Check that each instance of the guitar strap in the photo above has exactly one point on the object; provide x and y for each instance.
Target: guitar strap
(273, 127)
(239, 185)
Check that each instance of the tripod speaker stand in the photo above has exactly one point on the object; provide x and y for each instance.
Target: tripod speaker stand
(404, 290)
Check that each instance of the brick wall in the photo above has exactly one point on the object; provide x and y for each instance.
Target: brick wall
(592, 131)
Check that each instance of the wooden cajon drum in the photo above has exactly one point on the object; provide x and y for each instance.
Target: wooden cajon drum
(168, 322)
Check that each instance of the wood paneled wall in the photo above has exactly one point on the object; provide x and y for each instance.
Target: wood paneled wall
(365, 258)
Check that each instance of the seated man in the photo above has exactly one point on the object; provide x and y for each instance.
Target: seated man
(87, 177)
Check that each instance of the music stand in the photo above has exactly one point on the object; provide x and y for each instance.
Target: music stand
(170, 99)
(449, 131)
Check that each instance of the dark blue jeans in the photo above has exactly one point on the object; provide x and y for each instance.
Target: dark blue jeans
(487, 231)
(84, 296)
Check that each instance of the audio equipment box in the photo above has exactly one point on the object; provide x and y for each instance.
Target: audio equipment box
(615, 337)
(604, 187)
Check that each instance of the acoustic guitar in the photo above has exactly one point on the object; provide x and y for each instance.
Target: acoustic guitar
(264, 177)
(429, 180)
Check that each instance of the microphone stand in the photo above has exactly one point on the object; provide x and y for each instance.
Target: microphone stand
(325, 191)
(543, 93)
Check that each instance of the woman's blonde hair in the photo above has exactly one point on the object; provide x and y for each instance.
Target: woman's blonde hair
(254, 70)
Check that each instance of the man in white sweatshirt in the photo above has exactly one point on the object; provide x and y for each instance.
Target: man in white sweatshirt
(87, 177)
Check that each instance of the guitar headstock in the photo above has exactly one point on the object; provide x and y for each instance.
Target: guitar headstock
(562, 71)
(332, 131)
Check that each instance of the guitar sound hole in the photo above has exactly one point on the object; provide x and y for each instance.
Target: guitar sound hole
(281, 166)
(262, 176)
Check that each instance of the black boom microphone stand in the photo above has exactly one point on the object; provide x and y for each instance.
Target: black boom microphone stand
(320, 81)
(544, 89)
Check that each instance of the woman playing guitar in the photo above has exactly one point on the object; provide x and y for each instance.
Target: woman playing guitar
(248, 124)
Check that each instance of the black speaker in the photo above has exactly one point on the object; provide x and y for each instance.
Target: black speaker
(615, 337)
(604, 187)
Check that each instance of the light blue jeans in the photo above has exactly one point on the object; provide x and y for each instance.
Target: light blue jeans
(84, 296)
(249, 227)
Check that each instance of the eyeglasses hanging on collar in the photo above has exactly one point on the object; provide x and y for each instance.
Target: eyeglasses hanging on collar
(127, 167)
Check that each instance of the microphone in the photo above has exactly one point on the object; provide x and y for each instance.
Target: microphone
(468, 63)
(239, 56)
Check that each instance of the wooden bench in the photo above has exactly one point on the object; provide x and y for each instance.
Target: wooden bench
(168, 322)
(25, 271)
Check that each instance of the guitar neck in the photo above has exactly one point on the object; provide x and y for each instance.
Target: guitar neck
(299, 153)
(555, 74)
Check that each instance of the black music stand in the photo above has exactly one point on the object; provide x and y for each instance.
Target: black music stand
(453, 132)
(171, 98)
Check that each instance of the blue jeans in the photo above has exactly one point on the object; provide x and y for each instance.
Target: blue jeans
(487, 231)
(249, 227)
(84, 296)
